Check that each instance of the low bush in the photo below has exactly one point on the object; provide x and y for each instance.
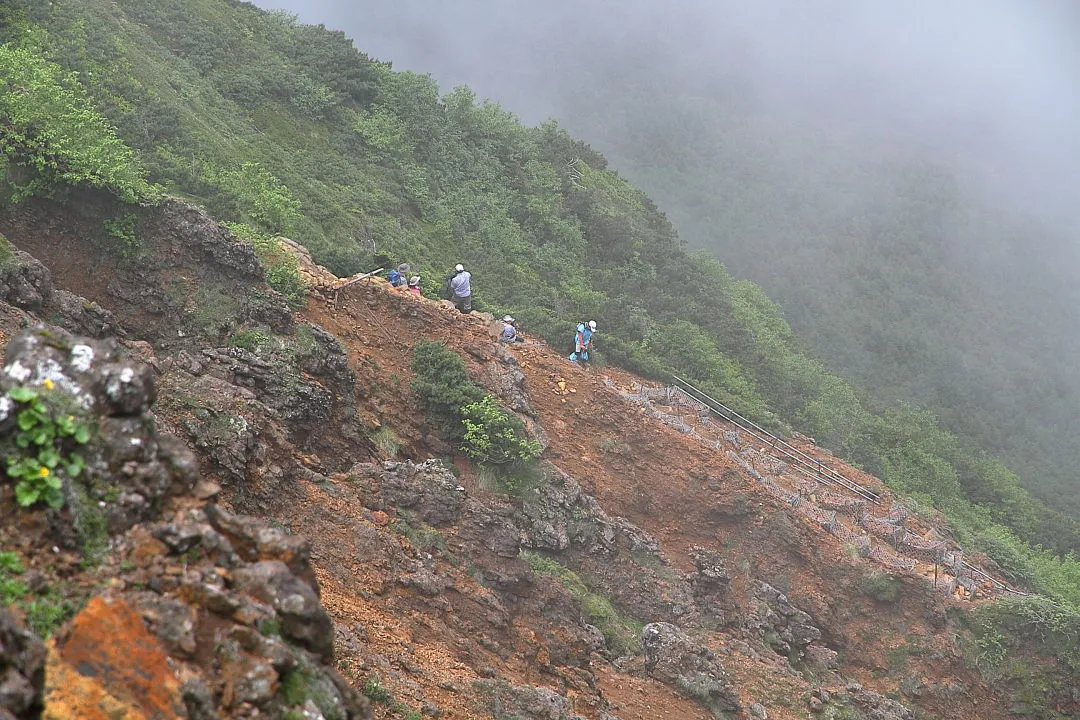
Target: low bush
(443, 388)
(45, 440)
(282, 267)
(1004, 625)
(881, 586)
(495, 437)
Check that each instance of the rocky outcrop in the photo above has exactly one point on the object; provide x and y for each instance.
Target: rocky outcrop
(857, 703)
(673, 658)
(789, 630)
(22, 669)
(129, 468)
(83, 317)
(195, 229)
(24, 282)
(523, 701)
(205, 614)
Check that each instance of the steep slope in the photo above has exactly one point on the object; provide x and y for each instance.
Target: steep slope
(638, 573)
(283, 127)
(160, 603)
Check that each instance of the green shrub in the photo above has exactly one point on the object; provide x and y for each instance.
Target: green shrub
(122, 231)
(443, 388)
(282, 267)
(48, 612)
(621, 634)
(45, 438)
(10, 562)
(1005, 625)
(11, 590)
(375, 690)
(495, 437)
(6, 253)
(386, 441)
(881, 586)
(250, 339)
(52, 130)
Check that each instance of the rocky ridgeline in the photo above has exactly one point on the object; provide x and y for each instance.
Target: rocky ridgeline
(197, 613)
(201, 613)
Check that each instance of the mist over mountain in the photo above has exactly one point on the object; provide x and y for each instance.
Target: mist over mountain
(988, 87)
(901, 179)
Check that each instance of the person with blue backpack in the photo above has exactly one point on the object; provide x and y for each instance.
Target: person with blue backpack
(399, 276)
(583, 342)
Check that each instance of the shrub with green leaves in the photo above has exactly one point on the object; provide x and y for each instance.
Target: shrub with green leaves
(52, 130)
(123, 237)
(881, 586)
(495, 437)
(46, 438)
(282, 268)
(1003, 626)
(443, 387)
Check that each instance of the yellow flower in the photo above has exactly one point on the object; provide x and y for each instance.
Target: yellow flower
(49, 384)
(44, 471)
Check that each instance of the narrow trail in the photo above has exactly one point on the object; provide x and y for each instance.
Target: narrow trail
(618, 434)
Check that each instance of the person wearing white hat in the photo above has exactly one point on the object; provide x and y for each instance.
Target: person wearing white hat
(509, 332)
(461, 287)
(583, 342)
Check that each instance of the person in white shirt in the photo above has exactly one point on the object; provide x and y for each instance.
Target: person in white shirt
(461, 287)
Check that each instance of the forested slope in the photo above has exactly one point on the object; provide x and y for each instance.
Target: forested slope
(912, 281)
(285, 128)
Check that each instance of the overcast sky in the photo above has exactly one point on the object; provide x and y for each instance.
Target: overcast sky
(990, 85)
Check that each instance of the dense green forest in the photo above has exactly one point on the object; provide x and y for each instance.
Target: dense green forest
(286, 128)
(915, 285)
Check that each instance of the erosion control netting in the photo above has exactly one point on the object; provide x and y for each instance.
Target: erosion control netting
(869, 524)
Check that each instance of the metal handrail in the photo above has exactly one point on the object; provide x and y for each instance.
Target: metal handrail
(822, 471)
(796, 456)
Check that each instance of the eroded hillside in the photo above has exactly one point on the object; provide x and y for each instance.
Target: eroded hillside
(636, 572)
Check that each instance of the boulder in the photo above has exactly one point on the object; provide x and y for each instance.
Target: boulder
(673, 658)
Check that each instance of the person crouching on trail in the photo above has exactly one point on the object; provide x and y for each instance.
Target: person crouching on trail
(583, 342)
(414, 285)
(509, 332)
(461, 287)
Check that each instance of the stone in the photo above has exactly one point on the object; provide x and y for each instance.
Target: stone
(25, 282)
(525, 702)
(673, 658)
(302, 616)
(22, 666)
(16, 693)
(249, 680)
(110, 660)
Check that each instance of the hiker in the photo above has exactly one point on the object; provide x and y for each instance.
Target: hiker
(399, 276)
(583, 341)
(509, 332)
(461, 289)
(414, 285)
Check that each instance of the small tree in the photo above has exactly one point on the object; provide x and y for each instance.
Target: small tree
(494, 436)
(444, 388)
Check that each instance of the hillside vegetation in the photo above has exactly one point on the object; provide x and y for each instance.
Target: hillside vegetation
(284, 128)
(899, 274)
